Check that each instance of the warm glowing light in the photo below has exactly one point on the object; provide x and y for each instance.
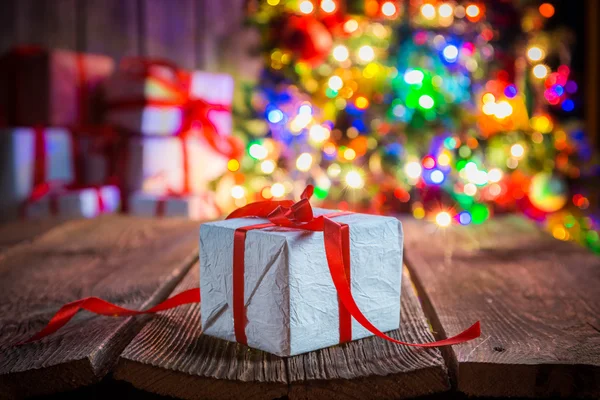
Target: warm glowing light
(535, 53)
(445, 10)
(495, 175)
(547, 10)
(304, 162)
(540, 71)
(488, 98)
(388, 9)
(503, 109)
(351, 25)
(300, 122)
(340, 53)
(443, 159)
(472, 11)
(335, 83)
(428, 11)
(318, 133)
(419, 212)
(426, 101)
(334, 170)
(517, 150)
(328, 6)
(272, 2)
(267, 167)
(489, 108)
(443, 219)
(470, 189)
(306, 6)
(413, 76)
(349, 154)
(277, 190)
(366, 53)
(354, 180)
(361, 102)
(258, 152)
(413, 169)
(233, 165)
(238, 192)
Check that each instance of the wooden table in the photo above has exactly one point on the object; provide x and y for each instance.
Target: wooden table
(538, 300)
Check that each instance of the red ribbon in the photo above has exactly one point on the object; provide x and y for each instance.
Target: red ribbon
(283, 213)
(54, 192)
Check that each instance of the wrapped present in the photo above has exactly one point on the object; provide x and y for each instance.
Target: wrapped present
(266, 281)
(98, 152)
(32, 157)
(282, 277)
(192, 206)
(182, 164)
(155, 97)
(55, 88)
(72, 202)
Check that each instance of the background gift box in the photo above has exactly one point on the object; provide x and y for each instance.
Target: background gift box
(75, 203)
(30, 157)
(51, 87)
(192, 206)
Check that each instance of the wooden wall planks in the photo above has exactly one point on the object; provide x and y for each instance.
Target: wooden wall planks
(111, 27)
(192, 33)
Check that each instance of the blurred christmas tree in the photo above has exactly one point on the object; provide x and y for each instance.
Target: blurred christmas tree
(454, 111)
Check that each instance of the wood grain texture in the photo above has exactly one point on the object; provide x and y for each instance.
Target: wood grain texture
(48, 23)
(374, 368)
(169, 30)
(129, 261)
(15, 232)
(111, 27)
(538, 300)
(171, 357)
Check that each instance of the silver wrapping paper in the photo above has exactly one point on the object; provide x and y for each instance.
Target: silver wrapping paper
(291, 302)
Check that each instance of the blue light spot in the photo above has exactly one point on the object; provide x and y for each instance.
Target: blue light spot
(559, 90)
(464, 218)
(275, 116)
(437, 176)
(510, 91)
(568, 105)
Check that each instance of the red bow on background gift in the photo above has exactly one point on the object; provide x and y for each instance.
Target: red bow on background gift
(283, 213)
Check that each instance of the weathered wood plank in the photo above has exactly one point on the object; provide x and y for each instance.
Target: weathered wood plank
(15, 232)
(374, 368)
(169, 30)
(48, 23)
(171, 357)
(538, 300)
(128, 261)
(111, 27)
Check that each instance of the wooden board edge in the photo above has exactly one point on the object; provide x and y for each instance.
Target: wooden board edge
(196, 387)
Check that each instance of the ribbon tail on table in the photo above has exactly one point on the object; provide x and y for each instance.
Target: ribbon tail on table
(103, 307)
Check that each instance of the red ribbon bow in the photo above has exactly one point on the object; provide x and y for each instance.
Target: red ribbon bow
(283, 213)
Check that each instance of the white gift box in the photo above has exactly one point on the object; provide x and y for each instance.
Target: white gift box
(157, 86)
(17, 164)
(291, 302)
(156, 164)
(193, 206)
(76, 203)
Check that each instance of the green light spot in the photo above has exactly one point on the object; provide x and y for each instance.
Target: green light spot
(480, 213)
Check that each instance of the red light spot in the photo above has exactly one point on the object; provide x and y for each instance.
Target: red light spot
(428, 162)
(547, 10)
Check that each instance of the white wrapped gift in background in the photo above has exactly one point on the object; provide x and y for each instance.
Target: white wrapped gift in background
(17, 168)
(158, 164)
(291, 302)
(75, 203)
(192, 206)
(163, 84)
